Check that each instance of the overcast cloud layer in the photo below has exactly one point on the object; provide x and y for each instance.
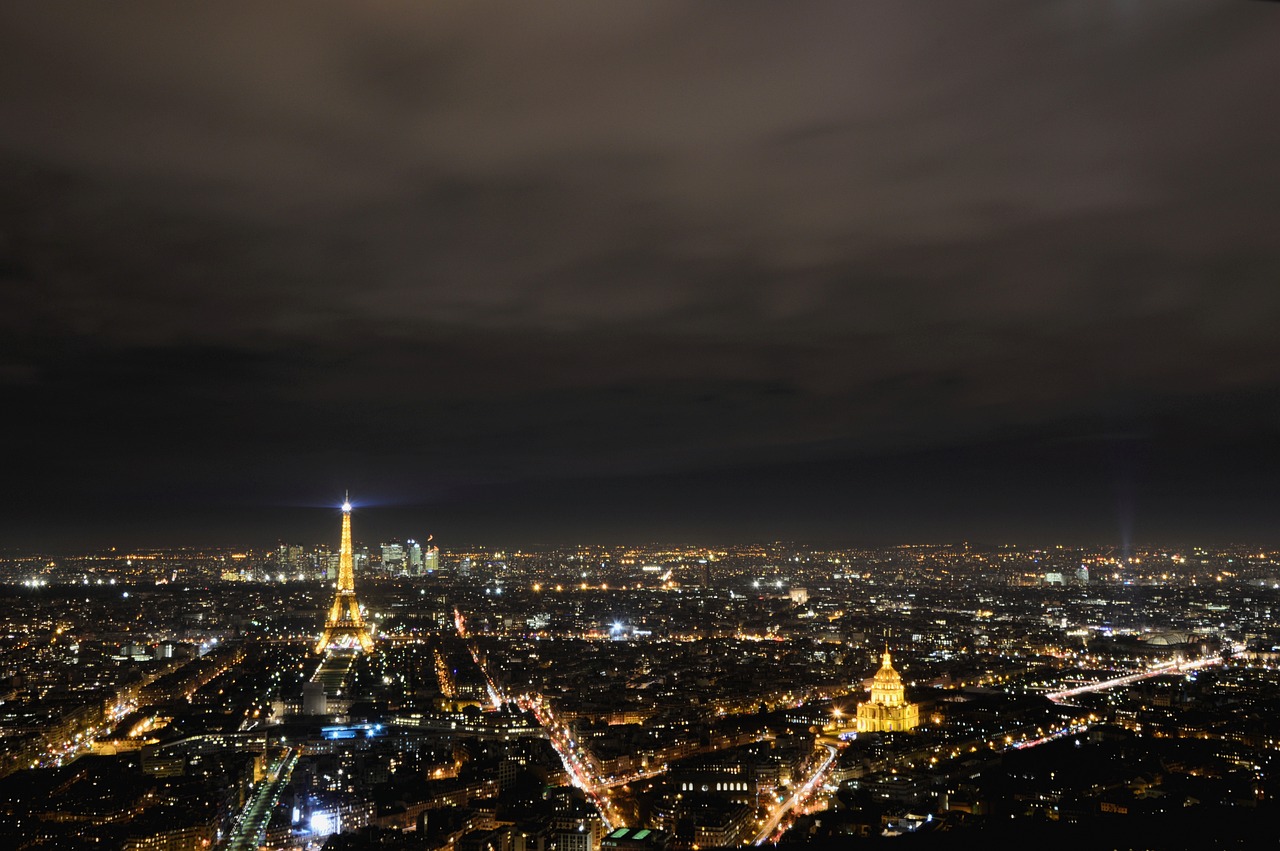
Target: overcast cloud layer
(840, 268)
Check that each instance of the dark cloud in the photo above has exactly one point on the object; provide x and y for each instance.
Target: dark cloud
(472, 255)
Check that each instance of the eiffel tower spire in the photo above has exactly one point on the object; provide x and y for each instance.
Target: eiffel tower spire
(345, 626)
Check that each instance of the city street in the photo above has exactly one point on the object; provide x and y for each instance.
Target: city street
(803, 791)
(252, 824)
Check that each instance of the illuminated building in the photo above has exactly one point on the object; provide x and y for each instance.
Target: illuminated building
(887, 711)
(326, 814)
(345, 626)
(393, 557)
(577, 833)
(192, 837)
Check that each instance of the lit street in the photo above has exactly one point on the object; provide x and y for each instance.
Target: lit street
(798, 797)
(252, 823)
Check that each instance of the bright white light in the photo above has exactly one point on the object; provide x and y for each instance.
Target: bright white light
(346, 506)
(323, 824)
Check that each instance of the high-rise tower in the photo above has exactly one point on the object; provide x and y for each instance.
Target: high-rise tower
(345, 626)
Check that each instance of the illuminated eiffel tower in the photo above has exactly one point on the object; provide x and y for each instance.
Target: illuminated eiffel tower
(345, 626)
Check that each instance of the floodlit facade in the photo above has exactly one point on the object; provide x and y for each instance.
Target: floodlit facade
(887, 711)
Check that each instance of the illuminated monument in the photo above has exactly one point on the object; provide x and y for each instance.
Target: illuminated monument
(887, 711)
(345, 627)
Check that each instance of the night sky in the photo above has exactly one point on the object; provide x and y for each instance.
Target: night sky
(522, 273)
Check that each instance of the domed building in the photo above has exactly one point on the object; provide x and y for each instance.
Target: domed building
(887, 711)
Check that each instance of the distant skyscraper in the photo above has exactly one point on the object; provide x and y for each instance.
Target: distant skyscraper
(393, 558)
(291, 558)
(345, 626)
(319, 563)
(413, 553)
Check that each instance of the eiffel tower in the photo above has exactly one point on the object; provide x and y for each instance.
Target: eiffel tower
(345, 626)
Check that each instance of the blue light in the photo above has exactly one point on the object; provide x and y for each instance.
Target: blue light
(351, 731)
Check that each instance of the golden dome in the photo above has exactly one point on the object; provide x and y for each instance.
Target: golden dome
(887, 674)
(887, 710)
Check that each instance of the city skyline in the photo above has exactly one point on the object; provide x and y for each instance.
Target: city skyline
(639, 426)
(652, 272)
(652, 698)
